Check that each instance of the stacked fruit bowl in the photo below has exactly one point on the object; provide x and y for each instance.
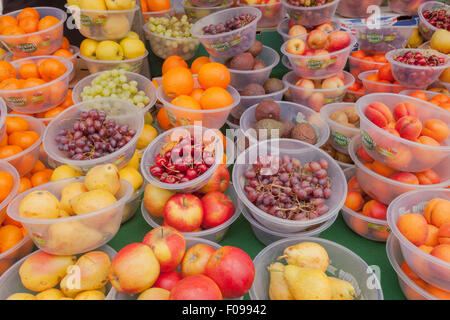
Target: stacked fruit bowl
(272, 11)
(311, 13)
(195, 12)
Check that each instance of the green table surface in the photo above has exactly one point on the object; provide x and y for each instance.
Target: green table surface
(240, 234)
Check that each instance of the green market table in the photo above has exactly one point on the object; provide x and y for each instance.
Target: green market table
(241, 235)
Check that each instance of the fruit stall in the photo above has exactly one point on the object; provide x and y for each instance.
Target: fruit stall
(209, 150)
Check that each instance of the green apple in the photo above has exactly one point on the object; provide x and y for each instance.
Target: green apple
(132, 35)
(93, 5)
(88, 48)
(109, 50)
(120, 4)
(115, 27)
(132, 48)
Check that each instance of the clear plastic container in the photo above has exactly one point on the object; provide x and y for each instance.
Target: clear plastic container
(40, 98)
(3, 113)
(344, 264)
(195, 13)
(227, 44)
(144, 84)
(212, 118)
(215, 234)
(340, 134)
(430, 268)
(367, 227)
(6, 167)
(133, 204)
(311, 16)
(286, 63)
(25, 160)
(384, 189)
(356, 8)
(345, 165)
(383, 39)
(240, 78)
(75, 54)
(291, 111)
(10, 282)
(75, 234)
(430, 94)
(206, 3)
(157, 14)
(120, 110)
(7, 55)
(406, 7)
(371, 86)
(283, 28)
(231, 124)
(396, 152)
(316, 98)
(426, 29)
(353, 96)
(416, 76)
(318, 66)
(271, 13)
(104, 25)
(131, 65)
(148, 159)
(357, 66)
(38, 43)
(297, 149)
(15, 253)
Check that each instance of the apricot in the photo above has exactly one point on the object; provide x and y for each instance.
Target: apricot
(408, 271)
(428, 141)
(442, 252)
(359, 226)
(382, 169)
(409, 127)
(438, 292)
(444, 234)
(405, 109)
(354, 201)
(375, 209)
(432, 238)
(436, 129)
(379, 114)
(363, 155)
(414, 227)
(401, 159)
(437, 212)
(353, 185)
(405, 177)
(428, 177)
(392, 131)
(380, 232)
(425, 248)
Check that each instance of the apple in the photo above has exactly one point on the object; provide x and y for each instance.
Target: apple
(317, 39)
(132, 48)
(88, 48)
(195, 259)
(338, 40)
(296, 46)
(327, 27)
(297, 30)
(217, 208)
(115, 27)
(109, 50)
(219, 180)
(309, 52)
(168, 245)
(93, 5)
(291, 23)
(155, 199)
(120, 4)
(184, 212)
(307, 86)
(233, 271)
(167, 280)
(198, 287)
(333, 83)
(316, 101)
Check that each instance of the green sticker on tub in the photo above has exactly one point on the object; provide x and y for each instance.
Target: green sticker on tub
(17, 101)
(44, 43)
(340, 139)
(367, 140)
(318, 64)
(333, 100)
(27, 47)
(374, 226)
(235, 41)
(220, 46)
(385, 152)
(36, 99)
(38, 238)
(374, 38)
(85, 20)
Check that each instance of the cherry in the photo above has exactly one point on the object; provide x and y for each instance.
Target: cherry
(191, 174)
(156, 171)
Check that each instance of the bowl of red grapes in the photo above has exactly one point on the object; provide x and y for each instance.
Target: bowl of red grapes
(94, 132)
(289, 186)
(310, 12)
(417, 68)
(182, 159)
(433, 15)
(228, 32)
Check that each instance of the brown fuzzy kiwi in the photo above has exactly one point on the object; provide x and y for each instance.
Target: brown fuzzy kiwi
(242, 61)
(304, 132)
(253, 89)
(256, 48)
(267, 109)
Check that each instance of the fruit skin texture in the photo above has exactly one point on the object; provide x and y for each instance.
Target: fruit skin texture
(214, 74)
(91, 201)
(442, 252)
(167, 280)
(155, 199)
(184, 212)
(444, 234)
(307, 255)
(69, 192)
(436, 129)
(90, 295)
(341, 289)
(219, 180)
(379, 114)
(50, 294)
(307, 283)
(21, 296)
(233, 271)
(437, 212)
(409, 127)
(39, 205)
(338, 40)
(195, 260)
(217, 209)
(198, 287)
(278, 289)
(354, 201)
(104, 177)
(154, 294)
(134, 269)
(375, 209)
(404, 109)
(414, 227)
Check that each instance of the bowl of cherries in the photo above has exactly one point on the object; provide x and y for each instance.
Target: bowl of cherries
(182, 159)
(433, 15)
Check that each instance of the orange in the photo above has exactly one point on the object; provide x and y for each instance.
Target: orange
(14, 124)
(40, 178)
(6, 184)
(445, 106)
(144, 6)
(178, 80)
(13, 31)
(7, 21)
(29, 70)
(28, 13)
(4, 141)
(53, 112)
(24, 184)
(198, 63)
(216, 98)
(39, 166)
(51, 69)
(197, 93)
(163, 119)
(213, 74)
(373, 77)
(173, 61)
(11, 84)
(9, 221)
(9, 236)
(7, 70)
(57, 92)
(47, 22)
(63, 53)
(158, 5)
(33, 82)
(187, 102)
(67, 102)
(29, 24)
(359, 54)
(9, 151)
(65, 44)
(23, 139)
(419, 95)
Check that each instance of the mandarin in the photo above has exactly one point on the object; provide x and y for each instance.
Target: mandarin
(215, 98)
(213, 74)
(173, 61)
(6, 184)
(177, 81)
(198, 63)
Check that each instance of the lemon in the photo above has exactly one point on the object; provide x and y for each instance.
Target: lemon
(65, 171)
(148, 134)
(134, 162)
(148, 118)
(132, 176)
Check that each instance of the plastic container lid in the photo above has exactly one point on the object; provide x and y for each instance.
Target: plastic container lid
(195, 12)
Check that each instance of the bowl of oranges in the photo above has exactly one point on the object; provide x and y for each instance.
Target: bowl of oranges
(32, 31)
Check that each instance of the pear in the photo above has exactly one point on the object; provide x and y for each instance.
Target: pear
(103, 177)
(415, 40)
(21, 296)
(68, 193)
(91, 201)
(93, 5)
(50, 294)
(307, 255)
(307, 283)
(278, 289)
(115, 27)
(39, 205)
(63, 214)
(440, 41)
(90, 295)
(341, 289)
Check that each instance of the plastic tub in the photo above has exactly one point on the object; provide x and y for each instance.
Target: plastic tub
(286, 63)
(345, 264)
(120, 110)
(406, 7)
(227, 44)
(157, 14)
(104, 25)
(311, 16)
(291, 111)
(215, 234)
(371, 86)
(297, 149)
(213, 118)
(366, 227)
(318, 66)
(206, 3)
(133, 204)
(430, 94)
(230, 122)
(131, 65)
(396, 152)
(356, 8)
(40, 98)
(38, 43)
(427, 29)
(75, 234)
(384, 189)
(353, 96)
(25, 160)
(10, 282)
(357, 66)
(3, 113)
(240, 78)
(148, 160)
(416, 76)
(144, 84)
(283, 28)
(344, 166)
(271, 13)
(75, 54)
(430, 268)
(194, 13)
(316, 98)
(6, 167)
(230, 152)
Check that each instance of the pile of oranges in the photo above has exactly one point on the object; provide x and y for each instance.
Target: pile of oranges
(154, 5)
(363, 62)
(63, 51)
(441, 100)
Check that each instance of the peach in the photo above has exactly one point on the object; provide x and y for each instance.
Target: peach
(428, 141)
(409, 127)
(428, 177)
(437, 292)
(414, 227)
(382, 169)
(442, 252)
(432, 238)
(363, 155)
(353, 185)
(437, 212)
(436, 129)
(338, 40)
(354, 201)
(408, 271)
(405, 177)
(444, 234)
(404, 109)
(425, 248)
(317, 39)
(379, 114)
(391, 131)
(375, 209)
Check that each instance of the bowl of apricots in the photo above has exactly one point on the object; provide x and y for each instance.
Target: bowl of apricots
(32, 31)
(360, 62)
(420, 220)
(382, 80)
(34, 84)
(440, 99)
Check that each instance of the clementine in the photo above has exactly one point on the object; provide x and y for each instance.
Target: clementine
(213, 74)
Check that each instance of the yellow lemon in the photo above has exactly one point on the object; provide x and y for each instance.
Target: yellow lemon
(63, 172)
(134, 162)
(148, 134)
(132, 176)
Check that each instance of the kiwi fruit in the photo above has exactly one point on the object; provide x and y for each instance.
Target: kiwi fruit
(256, 48)
(288, 125)
(253, 89)
(273, 85)
(304, 132)
(268, 125)
(259, 64)
(267, 109)
(242, 61)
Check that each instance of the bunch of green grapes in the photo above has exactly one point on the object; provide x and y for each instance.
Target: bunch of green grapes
(171, 26)
(114, 84)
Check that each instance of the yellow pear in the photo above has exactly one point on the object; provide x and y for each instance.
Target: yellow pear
(21, 296)
(93, 5)
(103, 177)
(69, 192)
(90, 295)
(278, 289)
(154, 294)
(341, 289)
(115, 27)
(445, 75)
(132, 176)
(91, 201)
(64, 172)
(307, 283)
(63, 214)
(39, 204)
(148, 134)
(50, 294)
(134, 161)
(415, 40)
(307, 255)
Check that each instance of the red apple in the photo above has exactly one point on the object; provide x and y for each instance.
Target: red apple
(219, 181)
(316, 101)
(338, 40)
(195, 259)
(168, 245)
(184, 212)
(296, 46)
(167, 280)
(327, 27)
(297, 30)
(307, 86)
(233, 271)
(198, 287)
(317, 39)
(217, 208)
